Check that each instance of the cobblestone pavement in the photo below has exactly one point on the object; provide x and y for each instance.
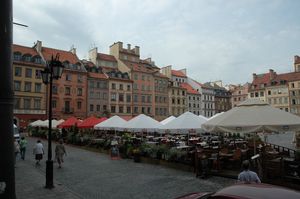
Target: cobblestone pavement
(92, 175)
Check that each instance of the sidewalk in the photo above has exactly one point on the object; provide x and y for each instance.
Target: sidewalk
(30, 182)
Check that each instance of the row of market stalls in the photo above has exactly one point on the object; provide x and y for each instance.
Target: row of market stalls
(251, 116)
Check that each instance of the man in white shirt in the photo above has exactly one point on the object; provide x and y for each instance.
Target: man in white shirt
(38, 151)
(247, 176)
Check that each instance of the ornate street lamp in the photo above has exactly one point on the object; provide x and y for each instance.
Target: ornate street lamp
(54, 70)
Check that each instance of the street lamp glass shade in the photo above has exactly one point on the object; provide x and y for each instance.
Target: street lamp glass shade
(45, 76)
(57, 69)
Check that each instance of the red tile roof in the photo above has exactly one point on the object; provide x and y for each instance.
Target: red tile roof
(106, 57)
(277, 79)
(97, 75)
(189, 88)
(63, 55)
(178, 73)
(141, 67)
(24, 49)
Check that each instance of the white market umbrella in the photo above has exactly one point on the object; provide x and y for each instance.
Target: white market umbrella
(216, 115)
(112, 123)
(54, 123)
(167, 120)
(253, 116)
(142, 123)
(185, 123)
(36, 123)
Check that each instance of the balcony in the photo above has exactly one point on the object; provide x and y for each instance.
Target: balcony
(68, 110)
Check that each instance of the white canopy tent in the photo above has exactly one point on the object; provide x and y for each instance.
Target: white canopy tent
(253, 116)
(112, 123)
(216, 115)
(142, 123)
(167, 120)
(45, 123)
(36, 123)
(184, 124)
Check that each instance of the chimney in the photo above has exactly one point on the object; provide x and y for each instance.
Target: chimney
(137, 50)
(296, 59)
(73, 50)
(128, 46)
(254, 76)
(38, 46)
(272, 74)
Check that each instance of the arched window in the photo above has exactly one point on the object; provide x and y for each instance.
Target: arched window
(17, 56)
(27, 57)
(37, 59)
(66, 64)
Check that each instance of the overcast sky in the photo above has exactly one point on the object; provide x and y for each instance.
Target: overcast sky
(214, 39)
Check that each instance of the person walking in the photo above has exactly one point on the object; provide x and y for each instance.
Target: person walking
(23, 144)
(38, 151)
(60, 151)
(247, 176)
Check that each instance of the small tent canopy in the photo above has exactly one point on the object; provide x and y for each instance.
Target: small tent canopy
(185, 123)
(36, 123)
(72, 121)
(253, 116)
(142, 123)
(167, 120)
(91, 122)
(112, 123)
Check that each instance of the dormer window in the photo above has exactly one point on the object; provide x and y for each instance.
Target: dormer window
(27, 58)
(37, 60)
(17, 56)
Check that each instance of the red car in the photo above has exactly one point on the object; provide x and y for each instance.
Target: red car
(247, 191)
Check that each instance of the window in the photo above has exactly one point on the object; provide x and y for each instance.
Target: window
(128, 109)
(67, 91)
(121, 97)
(143, 109)
(37, 104)
(173, 101)
(91, 107)
(79, 79)
(256, 94)
(128, 87)
(183, 94)
(143, 87)
(135, 76)
(262, 94)
(293, 85)
(27, 58)
(178, 101)
(121, 87)
(251, 94)
(113, 109)
(113, 86)
(17, 85)
(128, 98)
(17, 103)
(113, 97)
(38, 87)
(135, 87)
(54, 103)
(98, 107)
(54, 89)
(269, 92)
(104, 107)
(136, 109)
(27, 87)
(79, 105)
(149, 98)
(28, 72)
(27, 103)
(68, 77)
(149, 110)
(92, 84)
(38, 74)
(135, 98)
(143, 98)
(18, 71)
(121, 109)
(143, 77)
(79, 91)
(37, 60)
(17, 56)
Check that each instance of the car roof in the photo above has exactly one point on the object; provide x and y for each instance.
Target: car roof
(257, 191)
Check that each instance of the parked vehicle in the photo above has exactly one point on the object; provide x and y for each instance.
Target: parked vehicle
(247, 191)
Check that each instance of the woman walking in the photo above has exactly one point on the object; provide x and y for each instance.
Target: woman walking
(60, 151)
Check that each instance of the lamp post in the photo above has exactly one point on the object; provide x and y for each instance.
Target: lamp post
(54, 70)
